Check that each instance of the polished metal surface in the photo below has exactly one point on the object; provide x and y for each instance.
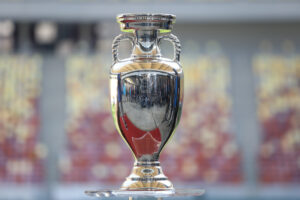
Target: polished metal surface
(147, 109)
(129, 22)
(146, 97)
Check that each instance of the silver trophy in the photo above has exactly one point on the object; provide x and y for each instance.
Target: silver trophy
(146, 96)
(146, 100)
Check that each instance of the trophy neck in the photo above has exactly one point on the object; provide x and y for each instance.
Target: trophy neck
(146, 44)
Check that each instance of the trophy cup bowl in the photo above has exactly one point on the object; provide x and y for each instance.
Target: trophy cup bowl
(146, 96)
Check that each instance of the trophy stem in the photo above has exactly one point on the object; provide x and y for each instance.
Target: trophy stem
(147, 176)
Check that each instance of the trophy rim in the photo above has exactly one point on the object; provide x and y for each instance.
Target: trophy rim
(146, 21)
(148, 15)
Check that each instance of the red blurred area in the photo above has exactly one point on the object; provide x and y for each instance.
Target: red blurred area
(21, 155)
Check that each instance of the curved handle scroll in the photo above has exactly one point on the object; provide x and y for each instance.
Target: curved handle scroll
(116, 43)
(176, 43)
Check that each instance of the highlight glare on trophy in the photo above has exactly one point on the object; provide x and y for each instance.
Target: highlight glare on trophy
(146, 96)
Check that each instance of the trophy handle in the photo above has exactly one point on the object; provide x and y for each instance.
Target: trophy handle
(176, 44)
(116, 43)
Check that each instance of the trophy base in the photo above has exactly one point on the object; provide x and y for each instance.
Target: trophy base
(147, 176)
(182, 193)
(147, 180)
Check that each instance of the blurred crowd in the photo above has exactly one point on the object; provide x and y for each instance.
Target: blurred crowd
(205, 143)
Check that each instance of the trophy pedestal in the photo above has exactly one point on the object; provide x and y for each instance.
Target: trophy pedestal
(158, 195)
(147, 176)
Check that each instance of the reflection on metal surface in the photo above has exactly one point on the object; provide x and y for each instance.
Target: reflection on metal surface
(146, 110)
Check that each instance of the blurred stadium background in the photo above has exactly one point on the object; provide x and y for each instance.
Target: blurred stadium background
(239, 136)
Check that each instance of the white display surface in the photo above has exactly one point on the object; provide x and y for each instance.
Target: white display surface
(182, 193)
